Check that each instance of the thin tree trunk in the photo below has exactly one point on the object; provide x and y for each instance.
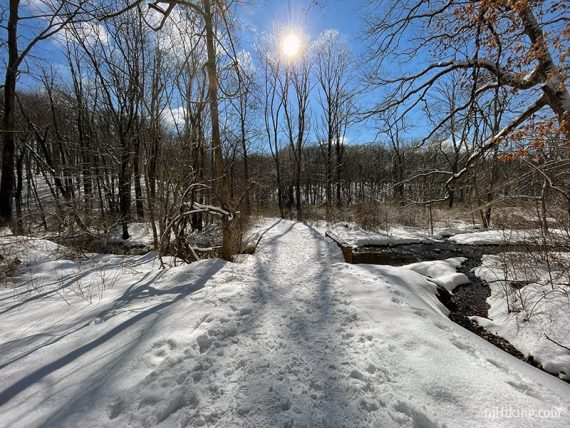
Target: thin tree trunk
(18, 194)
(125, 189)
(137, 178)
(245, 166)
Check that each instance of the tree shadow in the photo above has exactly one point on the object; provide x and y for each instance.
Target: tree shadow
(66, 281)
(178, 293)
(312, 360)
(136, 291)
(307, 324)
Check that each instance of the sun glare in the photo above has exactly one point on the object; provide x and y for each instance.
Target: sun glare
(291, 45)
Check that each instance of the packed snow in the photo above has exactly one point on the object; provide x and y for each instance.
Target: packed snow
(288, 336)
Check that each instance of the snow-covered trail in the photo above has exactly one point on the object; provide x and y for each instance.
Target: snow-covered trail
(290, 336)
(292, 348)
(278, 358)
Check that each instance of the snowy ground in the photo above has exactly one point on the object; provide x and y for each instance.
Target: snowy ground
(354, 236)
(442, 272)
(139, 234)
(511, 237)
(290, 336)
(539, 309)
(539, 303)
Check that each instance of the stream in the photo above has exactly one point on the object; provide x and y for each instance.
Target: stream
(467, 300)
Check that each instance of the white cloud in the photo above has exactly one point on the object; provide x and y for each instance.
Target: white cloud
(90, 32)
(175, 117)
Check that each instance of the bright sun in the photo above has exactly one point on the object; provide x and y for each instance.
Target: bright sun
(291, 45)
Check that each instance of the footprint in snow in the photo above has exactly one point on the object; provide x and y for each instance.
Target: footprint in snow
(420, 312)
(369, 405)
(523, 388)
(116, 409)
(397, 301)
(204, 342)
(357, 374)
(464, 347)
(160, 350)
(443, 327)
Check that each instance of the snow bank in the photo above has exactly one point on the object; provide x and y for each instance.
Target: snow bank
(488, 237)
(537, 310)
(29, 250)
(501, 237)
(454, 227)
(442, 272)
(425, 367)
(354, 236)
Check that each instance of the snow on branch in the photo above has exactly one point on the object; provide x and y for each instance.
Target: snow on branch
(195, 207)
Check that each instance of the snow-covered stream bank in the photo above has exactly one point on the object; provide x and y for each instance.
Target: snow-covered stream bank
(289, 336)
(510, 289)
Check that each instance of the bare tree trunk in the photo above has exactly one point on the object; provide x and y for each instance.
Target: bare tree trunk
(245, 164)
(125, 188)
(339, 154)
(138, 177)
(298, 165)
(221, 180)
(8, 121)
(279, 186)
(328, 160)
(18, 194)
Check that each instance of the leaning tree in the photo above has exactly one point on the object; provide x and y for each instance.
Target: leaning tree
(517, 45)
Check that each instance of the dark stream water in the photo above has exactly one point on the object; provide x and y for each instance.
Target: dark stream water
(469, 299)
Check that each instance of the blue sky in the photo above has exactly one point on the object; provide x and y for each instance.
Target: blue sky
(312, 17)
(257, 17)
(344, 16)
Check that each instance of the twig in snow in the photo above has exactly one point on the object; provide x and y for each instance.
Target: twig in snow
(554, 341)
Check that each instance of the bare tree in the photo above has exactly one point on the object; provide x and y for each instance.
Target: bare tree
(272, 107)
(295, 87)
(504, 43)
(395, 131)
(333, 69)
(244, 104)
(453, 132)
(53, 20)
(114, 57)
(211, 12)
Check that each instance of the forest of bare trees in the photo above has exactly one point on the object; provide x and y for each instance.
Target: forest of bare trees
(159, 113)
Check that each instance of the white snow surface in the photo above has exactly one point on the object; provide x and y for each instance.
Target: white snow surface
(499, 237)
(486, 237)
(139, 234)
(442, 272)
(289, 336)
(29, 250)
(354, 236)
(538, 309)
